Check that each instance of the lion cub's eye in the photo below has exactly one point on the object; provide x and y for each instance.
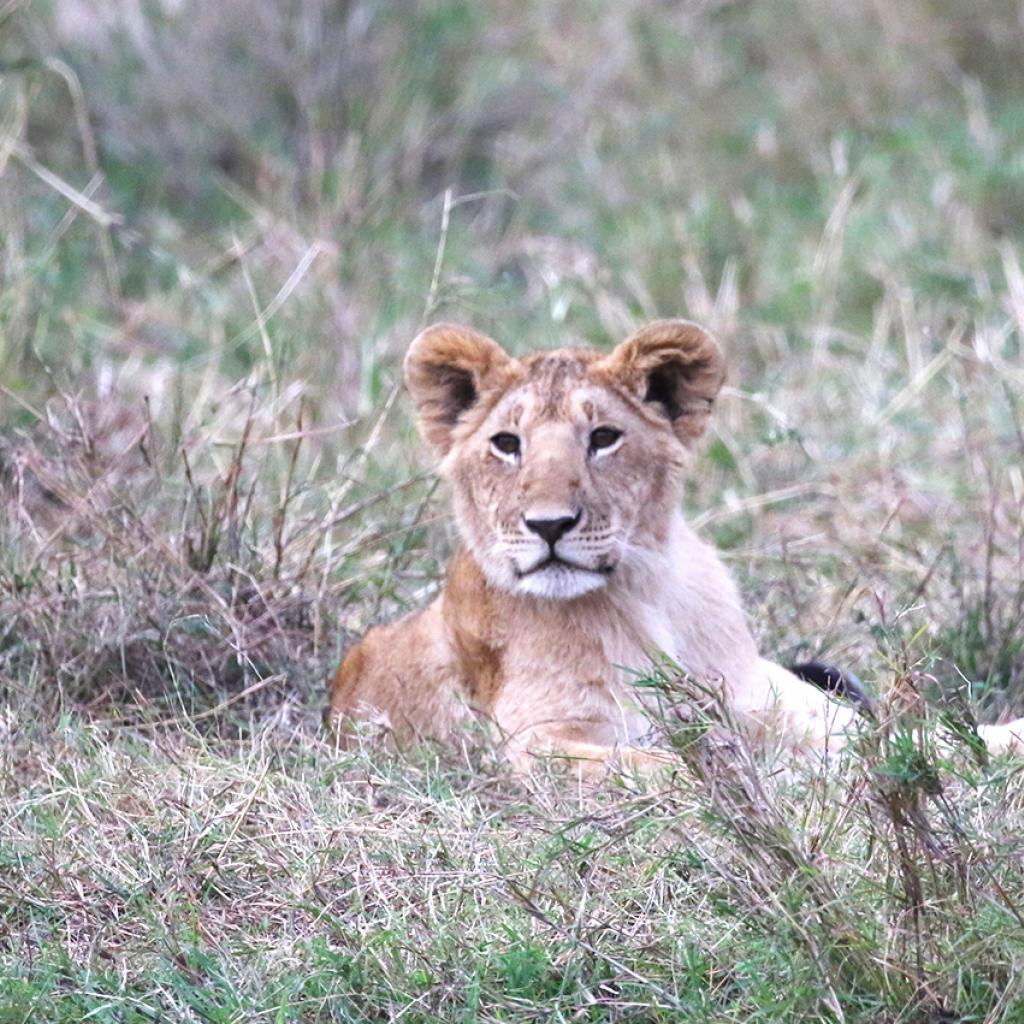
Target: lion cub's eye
(506, 444)
(603, 437)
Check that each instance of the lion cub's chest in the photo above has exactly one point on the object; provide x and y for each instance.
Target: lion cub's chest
(572, 668)
(627, 651)
(584, 661)
(633, 641)
(592, 665)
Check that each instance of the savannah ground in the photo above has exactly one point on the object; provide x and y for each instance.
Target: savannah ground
(220, 226)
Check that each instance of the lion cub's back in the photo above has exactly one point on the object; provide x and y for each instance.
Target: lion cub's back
(400, 677)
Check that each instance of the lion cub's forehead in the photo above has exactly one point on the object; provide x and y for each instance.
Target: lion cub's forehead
(557, 386)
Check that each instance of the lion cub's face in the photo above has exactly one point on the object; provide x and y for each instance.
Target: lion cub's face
(565, 465)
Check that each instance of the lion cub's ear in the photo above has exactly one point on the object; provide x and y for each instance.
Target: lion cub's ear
(446, 369)
(675, 364)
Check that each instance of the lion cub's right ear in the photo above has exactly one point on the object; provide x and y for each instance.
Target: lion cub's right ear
(447, 368)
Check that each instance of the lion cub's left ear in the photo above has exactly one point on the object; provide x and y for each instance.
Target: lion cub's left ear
(675, 364)
(447, 368)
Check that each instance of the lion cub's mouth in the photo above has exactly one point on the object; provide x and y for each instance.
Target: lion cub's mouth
(553, 560)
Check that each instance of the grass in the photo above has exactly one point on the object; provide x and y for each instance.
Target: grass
(220, 226)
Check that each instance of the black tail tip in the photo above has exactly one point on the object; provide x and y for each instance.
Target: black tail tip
(834, 680)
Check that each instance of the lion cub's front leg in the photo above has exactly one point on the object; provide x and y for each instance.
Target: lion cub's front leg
(592, 761)
(569, 714)
(775, 708)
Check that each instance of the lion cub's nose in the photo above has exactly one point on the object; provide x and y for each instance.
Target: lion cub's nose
(552, 530)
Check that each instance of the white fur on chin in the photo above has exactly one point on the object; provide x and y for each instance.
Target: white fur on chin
(560, 582)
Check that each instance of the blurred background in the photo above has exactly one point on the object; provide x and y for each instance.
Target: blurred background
(221, 225)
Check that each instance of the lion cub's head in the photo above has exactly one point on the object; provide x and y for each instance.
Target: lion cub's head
(565, 464)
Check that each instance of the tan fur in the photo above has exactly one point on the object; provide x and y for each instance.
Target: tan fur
(543, 654)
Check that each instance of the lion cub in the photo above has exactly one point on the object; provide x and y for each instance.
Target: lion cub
(566, 469)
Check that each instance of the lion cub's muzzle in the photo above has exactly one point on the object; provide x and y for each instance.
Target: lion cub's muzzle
(558, 555)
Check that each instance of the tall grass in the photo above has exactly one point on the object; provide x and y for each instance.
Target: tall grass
(220, 225)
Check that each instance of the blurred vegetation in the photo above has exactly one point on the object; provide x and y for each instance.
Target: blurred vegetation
(215, 208)
(220, 226)
(625, 152)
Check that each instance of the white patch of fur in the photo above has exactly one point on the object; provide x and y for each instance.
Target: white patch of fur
(559, 582)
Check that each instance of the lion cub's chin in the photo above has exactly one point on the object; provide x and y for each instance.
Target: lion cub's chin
(560, 582)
